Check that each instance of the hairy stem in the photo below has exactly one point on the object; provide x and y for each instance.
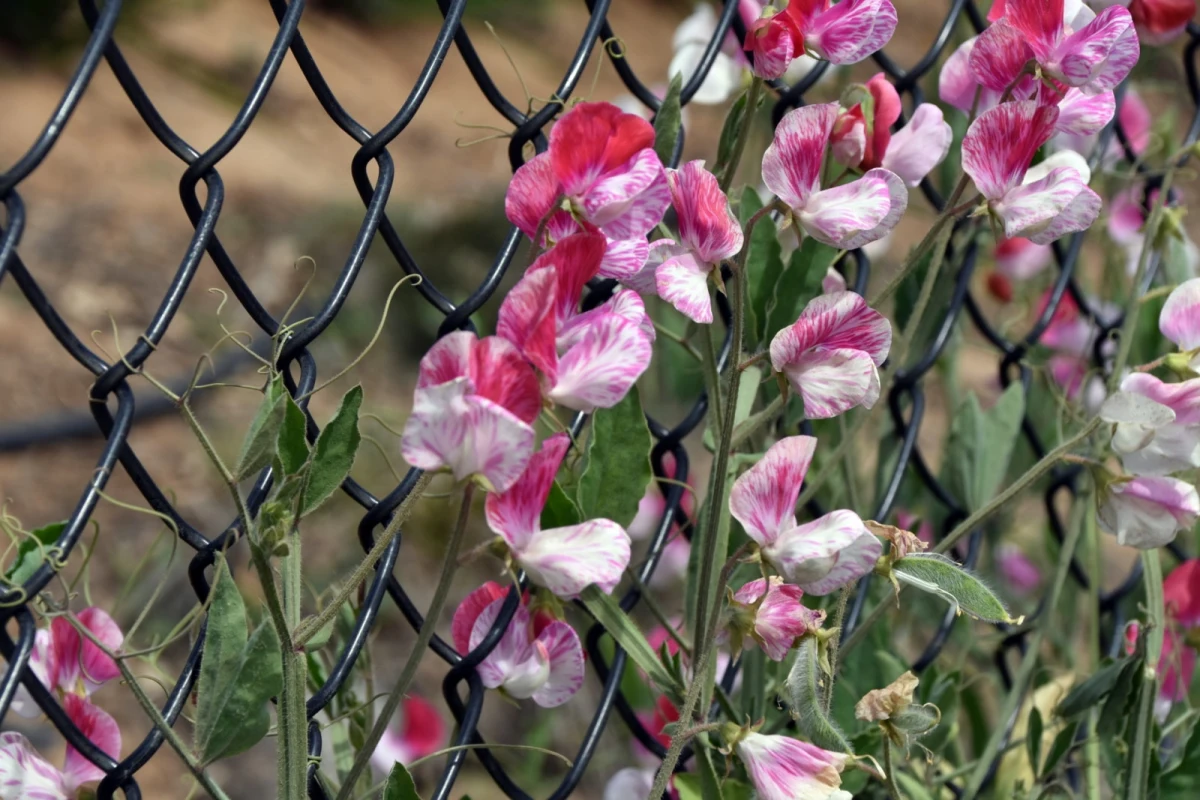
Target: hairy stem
(889, 773)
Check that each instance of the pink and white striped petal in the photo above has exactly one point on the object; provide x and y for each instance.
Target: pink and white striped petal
(683, 282)
(628, 203)
(98, 726)
(567, 560)
(531, 193)
(1081, 114)
(469, 610)
(826, 554)
(644, 281)
(831, 381)
(628, 305)
(919, 146)
(24, 774)
(599, 370)
(851, 30)
(839, 320)
(79, 663)
(1001, 143)
(561, 644)
(763, 498)
(1099, 55)
(770, 40)
(783, 768)
(528, 321)
(623, 258)
(999, 55)
(1179, 320)
(1040, 22)
(510, 653)
(1078, 216)
(1028, 209)
(781, 617)
(593, 139)
(706, 223)
(857, 213)
(494, 366)
(515, 515)
(791, 166)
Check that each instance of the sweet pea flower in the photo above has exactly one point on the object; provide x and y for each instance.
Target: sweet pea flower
(1181, 595)
(831, 354)
(1147, 511)
(1157, 22)
(690, 41)
(418, 730)
(587, 360)
(1041, 203)
(912, 152)
(473, 409)
(67, 663)
(537, 657)
(775, 621)
(1020, 259)
(1159, 431)
(818, 556)
(1021, 575)
(708, 232)
(1179, 320)
(25, 775)
(564, 560)
(783, 768)
(843, 33)
(769, 39)
(633, 782)
(847, 216)
(1069, 41)
(1134, 116)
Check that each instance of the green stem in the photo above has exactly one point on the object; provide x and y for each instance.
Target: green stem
(292, 711)
(434, 613)
(839, 616)
(712, 374)
(755, 422)
(889, 774)
(1143, 742)
(739, 146)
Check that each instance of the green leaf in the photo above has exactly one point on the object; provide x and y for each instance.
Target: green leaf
(937, 574)
(622, 629)
(981, 446)
(688, 786)
(334, 454)
(805, 686)
(292, 444)
(764, 265)
(1086, 695)
(1118, 710)
(1183, 779)
(1033, 739)
(618, 462)
(729, 133)
(259, 445)
(31, 550)
(799, 283)
(321, 637)
(560, 510)
(1059, 748)
(238, 676)
(400, 785)
(668, 120)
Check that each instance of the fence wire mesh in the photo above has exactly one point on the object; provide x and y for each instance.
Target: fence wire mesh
(112, 399)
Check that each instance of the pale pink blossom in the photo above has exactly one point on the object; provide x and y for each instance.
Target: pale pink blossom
(1161, 434)
(847, 216)
(831, 354)
(473, 409)
(843, 33)
(1041, 203)
(783, 768)
(537, 657)
(417, 730)
(1179, 319)
(587, 360)
(818, 556)
(1147, 511)
(708, 234)
(564, 560)
(66, 662)
(1093, 52)
(1020, 259)
(25, 775)
(1021, 575)
(833, 281)
(775, 621)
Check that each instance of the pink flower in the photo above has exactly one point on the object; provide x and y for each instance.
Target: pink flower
(473, 409)
(1160, 21)
(1042, 203)
(847, 216)
(708, 233)
(587, 360)
(1089, 51)
(831, 354)
(783, 768)
(564, 560)
(1021, 575)
(843, 33)
(777, 620)
(1147, 511)
(1163, 436)
(67, 663)
(1081, 118)
(818, 556)
(25, 775)
(1179, 319)
(771, 41)
(536, 658)
(1021, 259)
(1181, 594)
(417, 731)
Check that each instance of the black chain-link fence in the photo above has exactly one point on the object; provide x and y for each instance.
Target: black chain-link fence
(112, 399)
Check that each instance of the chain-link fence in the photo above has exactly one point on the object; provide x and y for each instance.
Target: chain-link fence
(112, 399)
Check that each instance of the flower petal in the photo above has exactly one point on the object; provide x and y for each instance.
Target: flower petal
(1002, 141)
(598, 371)
(1099, 55)
(783, 768)
(1179, 320)
(644, 280)
(566, 560)
(851, 30)
(495, 367)
(575, 260)
(1078, 216)
(25, 775)
(512, 651)
(831, 381)
(683, 282)
(81, 664)
(623, 258)
(706, 223)
(791, 166)
(1081, 114)
(999, 55)
(592, 139)
(956, 82)
(763, 498)
(515, 514)
(469, 610)
(98, 726)
(1027, 209)
(837, 320)
(1021, 259)
(529, 322)
(856, 213)
(630, 782)
(627, 203)
(566, 665)
(41, 664)
(769, 39)
(919, 146)
(825, 554)
(1146, 512)
(531, 193)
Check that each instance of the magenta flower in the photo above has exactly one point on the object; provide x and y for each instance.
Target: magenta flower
(831, 354)
(1179, 320)
(1147, 511)
(1042, 203)
(67, 663)
(418, 730)
(783, 768)
(587, 360)
(1181, 594)
(818, 556)
(774, 621)
(473, 409)
(770, 39)
(1021, 575)
(564, 560)
(536, 658)
(708, 232)
(842, 33)
(1157, 22)
(1093, 52)
(847, 216)
(25, 775)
